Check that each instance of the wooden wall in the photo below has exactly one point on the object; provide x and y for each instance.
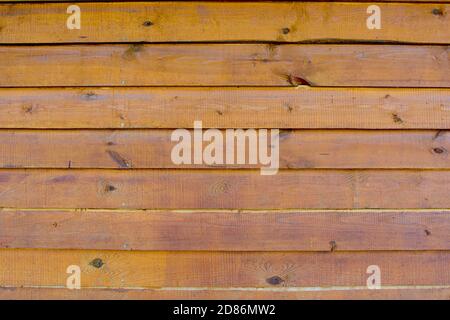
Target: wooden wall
(86, 177)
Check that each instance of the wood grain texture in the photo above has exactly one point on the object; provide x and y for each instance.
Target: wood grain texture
(144, 149)
(303, 107)
(226, 231)
(225, 65)
(344, 199)
(151, 269)
(236, 21)
(232, 189)
(230, 294)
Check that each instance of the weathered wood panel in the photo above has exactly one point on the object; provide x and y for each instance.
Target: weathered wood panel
(225, 65)
(238, 21)
(232, 189)
(226, 231)
(303, 107)
(147, 269)
(143, 149)
(186, 246)
(411, 293)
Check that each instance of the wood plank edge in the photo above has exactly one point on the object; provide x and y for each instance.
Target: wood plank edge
(45, 293)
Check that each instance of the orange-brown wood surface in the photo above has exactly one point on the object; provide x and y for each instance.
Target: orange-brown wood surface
(225, 65)
(186, 269)
(302, 107)
(143, 149)
(226, 231)
(87, 178)
(224, 189)
(236, 21)
(439, 293)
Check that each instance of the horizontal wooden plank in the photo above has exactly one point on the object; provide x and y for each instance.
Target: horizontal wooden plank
(225, 65)
(226, 231)
(303, 107)
(216, 189)
(225, 294)
(150, 269)
(237, 21)
(143, 149)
